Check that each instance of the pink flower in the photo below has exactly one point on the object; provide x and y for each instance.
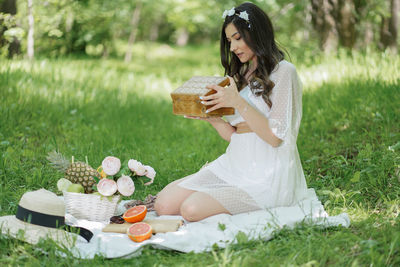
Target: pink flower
(111, 165)
(107, 187)
(125, 186)
(150, 173)
(136, 167)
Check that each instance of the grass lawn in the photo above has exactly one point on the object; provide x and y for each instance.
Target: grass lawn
(349, 144)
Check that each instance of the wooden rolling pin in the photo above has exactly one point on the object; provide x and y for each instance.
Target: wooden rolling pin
(158, 226)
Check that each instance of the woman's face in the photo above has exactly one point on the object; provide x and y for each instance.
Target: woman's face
(238, 45)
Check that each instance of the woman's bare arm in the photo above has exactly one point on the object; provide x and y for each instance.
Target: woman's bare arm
(223, 128)
(230, 97)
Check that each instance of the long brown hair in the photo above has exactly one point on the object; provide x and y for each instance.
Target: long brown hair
(258, 34)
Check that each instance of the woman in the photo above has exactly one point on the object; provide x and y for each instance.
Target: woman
(261, 167)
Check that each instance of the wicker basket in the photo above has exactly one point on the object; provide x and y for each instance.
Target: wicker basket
(90, 207)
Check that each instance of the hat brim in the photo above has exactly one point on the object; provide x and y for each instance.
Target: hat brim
(30, 233)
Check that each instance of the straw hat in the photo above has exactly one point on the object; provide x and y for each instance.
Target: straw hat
(40, 215)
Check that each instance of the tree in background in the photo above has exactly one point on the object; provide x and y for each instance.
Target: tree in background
(324, 24)
(31, 31)
(390, 27)
(10, 34)
(101, 27)
(342, 22)
(135, 25)
(336, 22)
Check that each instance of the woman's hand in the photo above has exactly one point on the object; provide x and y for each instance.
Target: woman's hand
(224, 97)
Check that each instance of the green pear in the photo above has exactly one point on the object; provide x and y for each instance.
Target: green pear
(76, 188)
(63, 184)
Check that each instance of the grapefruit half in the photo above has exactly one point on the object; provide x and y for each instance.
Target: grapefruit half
(135, 214)
(139, 232)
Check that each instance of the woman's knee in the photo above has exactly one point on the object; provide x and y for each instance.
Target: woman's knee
(163, 206)
(190, 211)
(200, 206)
(160, 207)
(169, 200)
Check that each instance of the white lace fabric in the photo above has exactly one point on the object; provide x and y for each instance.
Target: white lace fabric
(232, 198)
(269, 176)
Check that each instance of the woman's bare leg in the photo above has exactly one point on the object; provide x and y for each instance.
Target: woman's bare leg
(199, 205)
(169, 200)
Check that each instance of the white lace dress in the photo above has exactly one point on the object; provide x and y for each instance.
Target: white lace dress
(252, 174)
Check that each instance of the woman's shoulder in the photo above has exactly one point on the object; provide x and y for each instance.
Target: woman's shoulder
(284, 66)
(284, 70)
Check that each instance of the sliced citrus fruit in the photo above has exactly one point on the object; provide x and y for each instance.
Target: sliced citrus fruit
(139, 232)
(135, 214)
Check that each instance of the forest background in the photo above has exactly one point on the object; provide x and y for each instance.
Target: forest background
(109, 28)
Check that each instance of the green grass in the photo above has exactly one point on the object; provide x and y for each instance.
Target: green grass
(349, 144)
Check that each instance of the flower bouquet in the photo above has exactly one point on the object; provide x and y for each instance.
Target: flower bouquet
(94, 194)
(114, 178)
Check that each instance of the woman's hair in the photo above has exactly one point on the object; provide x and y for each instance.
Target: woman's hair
(258, 34)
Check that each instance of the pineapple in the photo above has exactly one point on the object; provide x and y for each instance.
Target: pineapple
(76, 172)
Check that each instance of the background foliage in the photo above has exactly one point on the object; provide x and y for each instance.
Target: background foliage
(102, 28)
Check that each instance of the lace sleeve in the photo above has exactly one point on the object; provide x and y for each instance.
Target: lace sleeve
(280, 116)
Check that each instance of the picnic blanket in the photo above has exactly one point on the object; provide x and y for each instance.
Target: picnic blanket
(220, 230)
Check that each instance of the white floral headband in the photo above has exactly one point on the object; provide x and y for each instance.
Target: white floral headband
(242, 15)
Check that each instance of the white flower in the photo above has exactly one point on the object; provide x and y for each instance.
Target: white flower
(244, 16)
(132, 164)
(136, 167)
(107, 187)
(229, 12)
(111, 165)
(150, 173)
(224, 14)
(125, 186)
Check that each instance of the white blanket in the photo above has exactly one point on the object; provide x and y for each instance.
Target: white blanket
(201, 236)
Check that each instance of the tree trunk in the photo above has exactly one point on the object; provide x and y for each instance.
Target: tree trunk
(335, 22)
(324, 24)
(346, 22)
(31, 40)
(10, 7)
(389, 27)
(134, 25)
(154, 30)
(368, 34)
(183, 37)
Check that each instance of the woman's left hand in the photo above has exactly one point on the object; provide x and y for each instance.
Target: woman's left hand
(224, 97)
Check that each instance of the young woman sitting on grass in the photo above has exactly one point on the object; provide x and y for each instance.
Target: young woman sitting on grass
(261, 167)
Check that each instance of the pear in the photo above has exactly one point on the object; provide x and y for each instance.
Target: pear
(63, 184)
(76, 188)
